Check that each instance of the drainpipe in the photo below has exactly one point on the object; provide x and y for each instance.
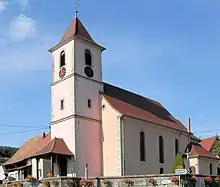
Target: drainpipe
(122, 118)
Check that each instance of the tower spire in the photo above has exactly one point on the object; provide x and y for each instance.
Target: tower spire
(76, 9)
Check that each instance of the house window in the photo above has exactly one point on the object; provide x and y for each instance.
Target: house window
(88, 58)
(142, 146)
(161, 170)
(89, 103)
(210, 169)
(61, 104)
(176, 146)
(62, 59)
(161, 149)
(218, 171)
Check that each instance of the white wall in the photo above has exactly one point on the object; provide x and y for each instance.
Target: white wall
(133, 165)
(2, 175)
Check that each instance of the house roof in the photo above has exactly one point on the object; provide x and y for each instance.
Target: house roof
(208, 143)
(29, 148)
(198, 151)
(131, 104)
(76, 29)
(38, 146)
(56, 146)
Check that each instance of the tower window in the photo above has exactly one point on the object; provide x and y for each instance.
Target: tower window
(61, 104)
(161, 170)
(89, 103)
(88, 58)
(142, 146)
(161, 149)
(176, 146)
(62, 59)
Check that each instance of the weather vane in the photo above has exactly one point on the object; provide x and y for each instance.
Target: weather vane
(76, 9)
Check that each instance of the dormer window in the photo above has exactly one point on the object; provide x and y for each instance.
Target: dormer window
(62, 59)
(88, 58)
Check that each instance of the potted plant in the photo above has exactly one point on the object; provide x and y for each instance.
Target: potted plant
(208, 179)
(54, 182)
(194, 180)
(152, 181)
(46, 183)
(70, 182)
(127, 182)
(49, 174)
(29, 178)
(86, 183)
(175, 180)
(217, 179)
(106, 182)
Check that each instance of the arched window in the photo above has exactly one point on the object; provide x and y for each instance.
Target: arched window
(161, 170)
(161, 149)
(210, 169)
(176, 146)
(142, 146)
(62, 59)
(88, 58)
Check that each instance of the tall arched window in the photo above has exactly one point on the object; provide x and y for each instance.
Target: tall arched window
(142, 146)
(210, 169)
(88, 58)
(62, 59)
(161, 149)
(176, 146)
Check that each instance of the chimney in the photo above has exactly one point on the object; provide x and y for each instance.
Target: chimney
(44, 135)
(189, 125)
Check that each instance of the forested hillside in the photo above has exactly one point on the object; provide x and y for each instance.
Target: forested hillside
(6, 153)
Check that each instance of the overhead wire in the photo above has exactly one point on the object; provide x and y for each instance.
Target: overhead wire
(21, 132)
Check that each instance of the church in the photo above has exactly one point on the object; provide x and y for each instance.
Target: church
(111, 130)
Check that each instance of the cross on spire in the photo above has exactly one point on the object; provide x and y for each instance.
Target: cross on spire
(76, 9)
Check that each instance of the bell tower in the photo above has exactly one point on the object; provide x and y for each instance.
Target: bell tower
(75, 99)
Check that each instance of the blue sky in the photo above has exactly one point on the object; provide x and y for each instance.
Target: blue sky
(165, 50)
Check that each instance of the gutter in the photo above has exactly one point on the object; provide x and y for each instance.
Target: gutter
(122, 141)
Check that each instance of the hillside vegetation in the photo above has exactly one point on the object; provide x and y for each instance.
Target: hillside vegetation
(6, 153)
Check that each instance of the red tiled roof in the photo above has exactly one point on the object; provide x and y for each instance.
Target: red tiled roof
(198, 151)
(133, 111)
(56, 146)
(29, 148)
(208, 143)
(76, 29)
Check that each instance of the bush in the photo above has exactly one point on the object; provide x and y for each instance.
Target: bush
(178, 163)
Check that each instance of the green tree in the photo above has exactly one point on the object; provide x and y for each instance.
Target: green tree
(178, 162)
(216, 148)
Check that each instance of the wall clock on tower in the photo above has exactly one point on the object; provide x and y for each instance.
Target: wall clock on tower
(88, 71)
(62, 72)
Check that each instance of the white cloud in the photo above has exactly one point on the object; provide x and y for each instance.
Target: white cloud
(21, 27)
(3, 5)
(23, 4)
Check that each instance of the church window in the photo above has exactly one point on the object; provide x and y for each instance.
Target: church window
(176, 146)
(89, 103)
(161, 170)
(210, 169)
(142, 146)
(62, 59)
(88, 58)
(161, 149)
(61, 104)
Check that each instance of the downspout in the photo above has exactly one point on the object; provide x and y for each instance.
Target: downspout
(122, 141)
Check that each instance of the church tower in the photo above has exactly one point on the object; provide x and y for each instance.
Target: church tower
(75, 98)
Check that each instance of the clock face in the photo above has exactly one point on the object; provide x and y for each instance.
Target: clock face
(62, 72)
(88, 71)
